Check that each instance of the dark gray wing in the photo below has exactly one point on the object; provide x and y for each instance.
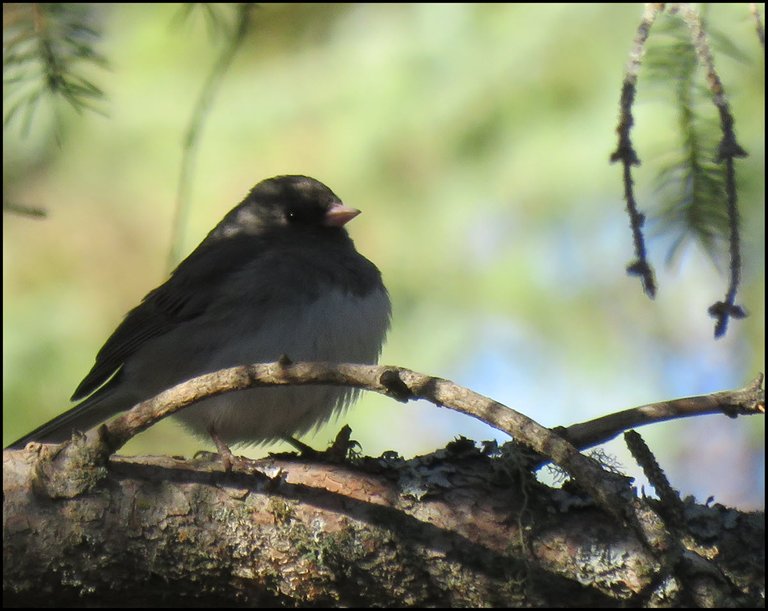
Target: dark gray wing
(185, 295)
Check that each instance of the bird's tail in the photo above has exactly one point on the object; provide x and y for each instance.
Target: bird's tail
(84, 416)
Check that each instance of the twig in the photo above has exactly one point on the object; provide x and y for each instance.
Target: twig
(24, 210)
(755, 10)
(669, 497)
(625, 152)
(728, 150)
(745, 401)
(192, 136)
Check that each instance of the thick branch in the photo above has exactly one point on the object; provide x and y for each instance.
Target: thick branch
(609, 491)
(469, 532)
(456, 528)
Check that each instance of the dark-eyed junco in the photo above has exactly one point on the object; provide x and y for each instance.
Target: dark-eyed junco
(279, 275)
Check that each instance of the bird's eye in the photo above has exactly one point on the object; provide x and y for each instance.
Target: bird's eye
(291, 216)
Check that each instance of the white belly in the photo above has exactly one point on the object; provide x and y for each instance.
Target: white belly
(336, 327)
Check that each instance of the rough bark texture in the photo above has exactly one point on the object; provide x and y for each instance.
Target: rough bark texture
(458, 528)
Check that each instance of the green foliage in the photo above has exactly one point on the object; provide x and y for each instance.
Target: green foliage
(46, 51)
(217, 17)
(691, 183)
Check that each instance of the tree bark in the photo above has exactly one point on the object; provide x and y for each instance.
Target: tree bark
(459, 527)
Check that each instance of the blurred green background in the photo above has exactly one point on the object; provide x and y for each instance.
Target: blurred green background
(475, 138)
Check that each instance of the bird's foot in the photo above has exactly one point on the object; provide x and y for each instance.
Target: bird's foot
(339, 451)
(228, 460)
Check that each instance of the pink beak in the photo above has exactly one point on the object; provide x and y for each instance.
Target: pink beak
(339, 215)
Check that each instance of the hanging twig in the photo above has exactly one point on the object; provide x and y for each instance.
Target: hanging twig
(625, 152)
(728, 150)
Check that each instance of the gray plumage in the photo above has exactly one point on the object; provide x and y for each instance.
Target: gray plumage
(278, 275)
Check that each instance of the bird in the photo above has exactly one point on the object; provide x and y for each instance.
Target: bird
(278, 276)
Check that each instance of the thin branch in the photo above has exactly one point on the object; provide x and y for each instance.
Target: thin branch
(625, 152)
(728, 150)
(746, 401)
(674, 508)
(23, 210)
(755, 10)
(399, 383)
(195, 128)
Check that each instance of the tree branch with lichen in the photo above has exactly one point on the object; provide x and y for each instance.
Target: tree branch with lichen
(611, 492)
(460, 511)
